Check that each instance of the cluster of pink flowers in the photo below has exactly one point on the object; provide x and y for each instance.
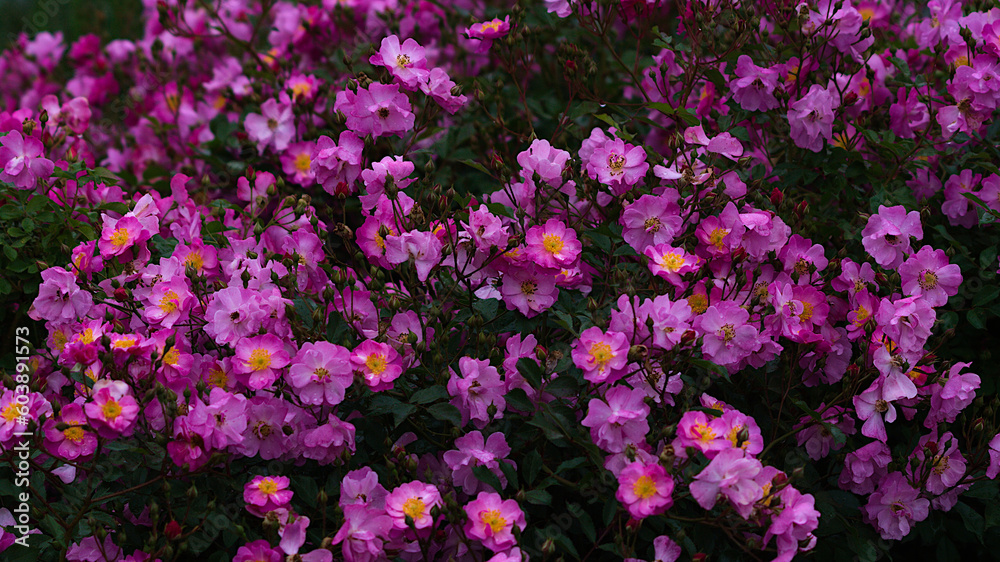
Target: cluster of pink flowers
(331, 284)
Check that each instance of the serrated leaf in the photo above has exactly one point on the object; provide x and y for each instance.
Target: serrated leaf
(476, 166)
(486, 307)
(582, 517)
(986, 295)
(517, 399)
(538, 497)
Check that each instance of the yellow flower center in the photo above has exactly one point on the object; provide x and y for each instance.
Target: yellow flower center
(322, 374)
(402, 60)
(698, 303)
(220, 102)
(217, 377)
(552, 243)
(493, 519)
(303, 162)
(414, 507)
(74, 434)
(672, 262)
(617, 164)
(728, 333)
(268, 487)
(111, 409)
(124, 343)
(652, 224)
(716, 237)
(300, 89)
(703, 433)
(861, 315)
(376, 363)
(644, 487)
(59, 339)
(195, 260)
(119, 237)
(927, 280)
(260, 359)
(87, 336)
(601, 354)
(494, 25)
(528, 288)
(807, 311)
(172, 356)
(169, 304)
(11, 412)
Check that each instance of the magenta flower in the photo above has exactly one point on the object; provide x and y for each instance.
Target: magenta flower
(113, 411)
(793, 525)
(119, 235)
(424, 248)
(22, 162)
(267, 493)
(650, 220)
(928, 273)
(328, 443)
(865, 467)
(754, 86)
(337, 164)
(645, 489)
(545, 160)
(941, 455)
(726, 337)
(552, 245)
(258, 551)
(379, 364)
(492, 521)
(811, 118)
(602, 356)
(671, 319)
(895, 506)
(413, 501)
(380, 109)
(222, 421)
(994, 467)
(817, 437)
(886, 237)
(59, 298)
(363, 533)
(671, 263)
(960, 210)
(273, 126)
(906, 321)
(167, 302)
(949, 399)
(262, 358)
(407, 62)
(528, 289)
(873, 408)
(617, 165)
(487, 31)
(617, 420)
(321, 372)
(731, 474)
(908, 114)
(74, 441)
(473, 451)
(697, 430)
(478, 388)
(361, 487)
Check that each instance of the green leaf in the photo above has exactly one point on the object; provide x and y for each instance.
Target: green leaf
(977, 317)
(384, 404)
(477, 166)
(709, 366)
(564, 386)
(538, 497)
(517, 399)
(429, 394)
(584, 519)
(484, 475)
(974, 522)
(531, 465)
(446, 412)
(986, 295)
(530, 370)
(486, 307)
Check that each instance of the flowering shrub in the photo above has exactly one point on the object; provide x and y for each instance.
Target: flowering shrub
(570, 280)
